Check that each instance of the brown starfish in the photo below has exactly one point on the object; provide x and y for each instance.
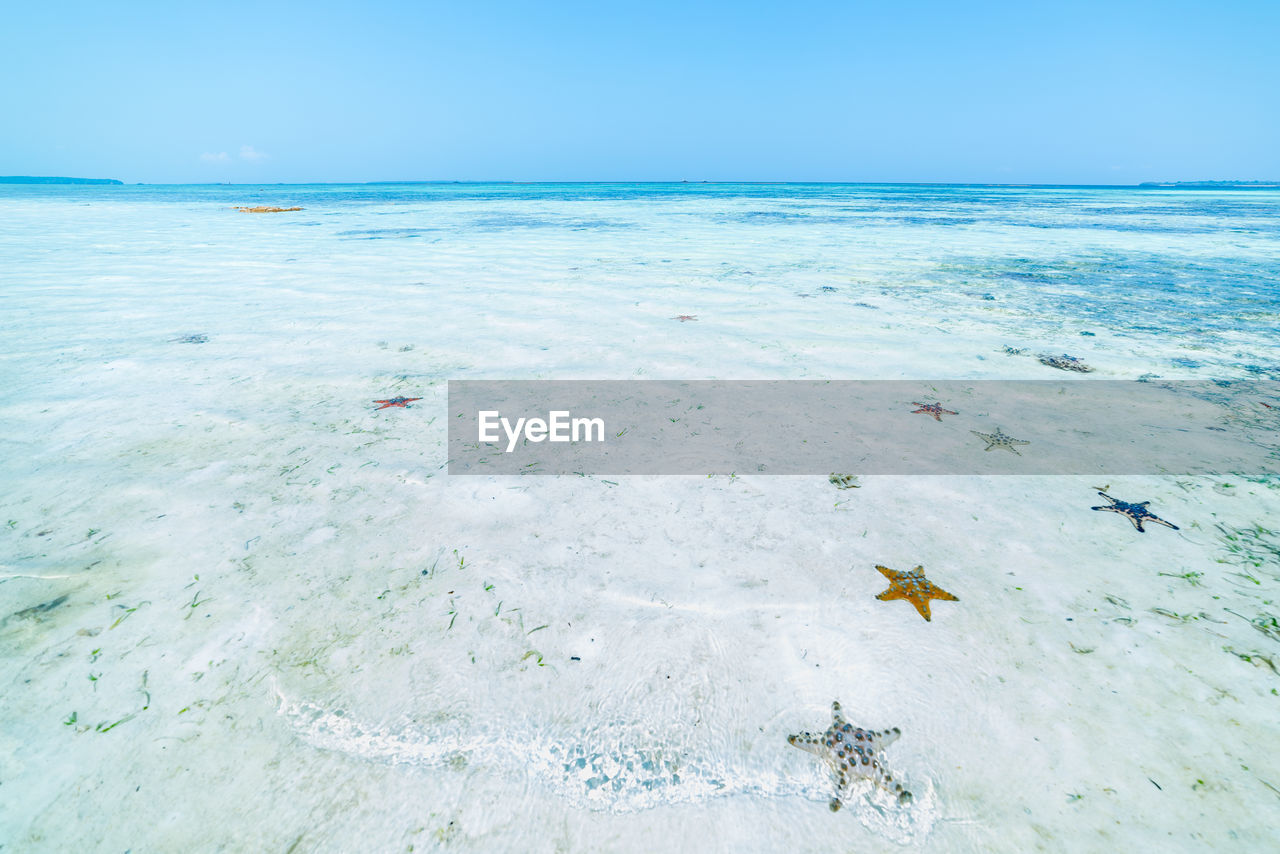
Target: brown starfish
(913, 587)
(934, 409)
(999, 440)
(683, 317)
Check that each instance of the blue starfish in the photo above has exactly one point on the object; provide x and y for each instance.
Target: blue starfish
(1135, 512)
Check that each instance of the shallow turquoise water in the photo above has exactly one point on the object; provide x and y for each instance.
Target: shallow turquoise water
(1193, 273)
(230, 583)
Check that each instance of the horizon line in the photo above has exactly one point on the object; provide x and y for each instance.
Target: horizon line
(74, 181)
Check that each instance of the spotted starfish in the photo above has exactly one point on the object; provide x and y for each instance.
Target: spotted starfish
(999, 440)
(402, 402)
(683, 317)
(934, 409)
(1136, 513)
(852, 754)
(913, 587)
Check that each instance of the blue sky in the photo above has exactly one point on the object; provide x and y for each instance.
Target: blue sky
(915, 90)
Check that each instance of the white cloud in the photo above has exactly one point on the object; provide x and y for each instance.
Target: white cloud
(248, 152)
(209, 157)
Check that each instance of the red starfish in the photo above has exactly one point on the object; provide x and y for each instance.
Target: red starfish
(402, 402)
(683, 317)
(934, 409)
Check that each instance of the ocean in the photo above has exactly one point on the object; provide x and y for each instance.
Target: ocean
(244, 605)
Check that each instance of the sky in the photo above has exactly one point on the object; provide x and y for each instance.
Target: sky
(913, 90)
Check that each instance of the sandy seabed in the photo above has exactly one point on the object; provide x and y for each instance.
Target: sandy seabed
(243, 609)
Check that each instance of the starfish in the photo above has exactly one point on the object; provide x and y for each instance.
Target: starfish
(913, 587)
(402, 402)
(1136, 513)
(264, 209)
(934, 409)
(683, 317)
(852, 754)
(999, 440)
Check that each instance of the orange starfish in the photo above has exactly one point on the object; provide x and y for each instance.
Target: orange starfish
(913, 587)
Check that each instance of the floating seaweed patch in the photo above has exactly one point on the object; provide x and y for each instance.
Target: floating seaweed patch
(845, 481)
(1251, 546)
(1064, 363)
(1257, 659)
(264, 209)
(1268, 624)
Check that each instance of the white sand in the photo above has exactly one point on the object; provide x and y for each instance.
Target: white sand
(286, 626)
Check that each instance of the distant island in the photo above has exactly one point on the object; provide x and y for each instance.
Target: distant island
(1213, 185)
(28, 179)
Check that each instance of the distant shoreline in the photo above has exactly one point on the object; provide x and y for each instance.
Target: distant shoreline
(30, 179)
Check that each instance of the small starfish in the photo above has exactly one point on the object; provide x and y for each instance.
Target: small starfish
(852, 754)
(683, 317)
(913, 587)
(402, 402)
(999, 440)
(1136, 513)
(934, 409)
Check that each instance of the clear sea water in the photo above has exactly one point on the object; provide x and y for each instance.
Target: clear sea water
(242, 609)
